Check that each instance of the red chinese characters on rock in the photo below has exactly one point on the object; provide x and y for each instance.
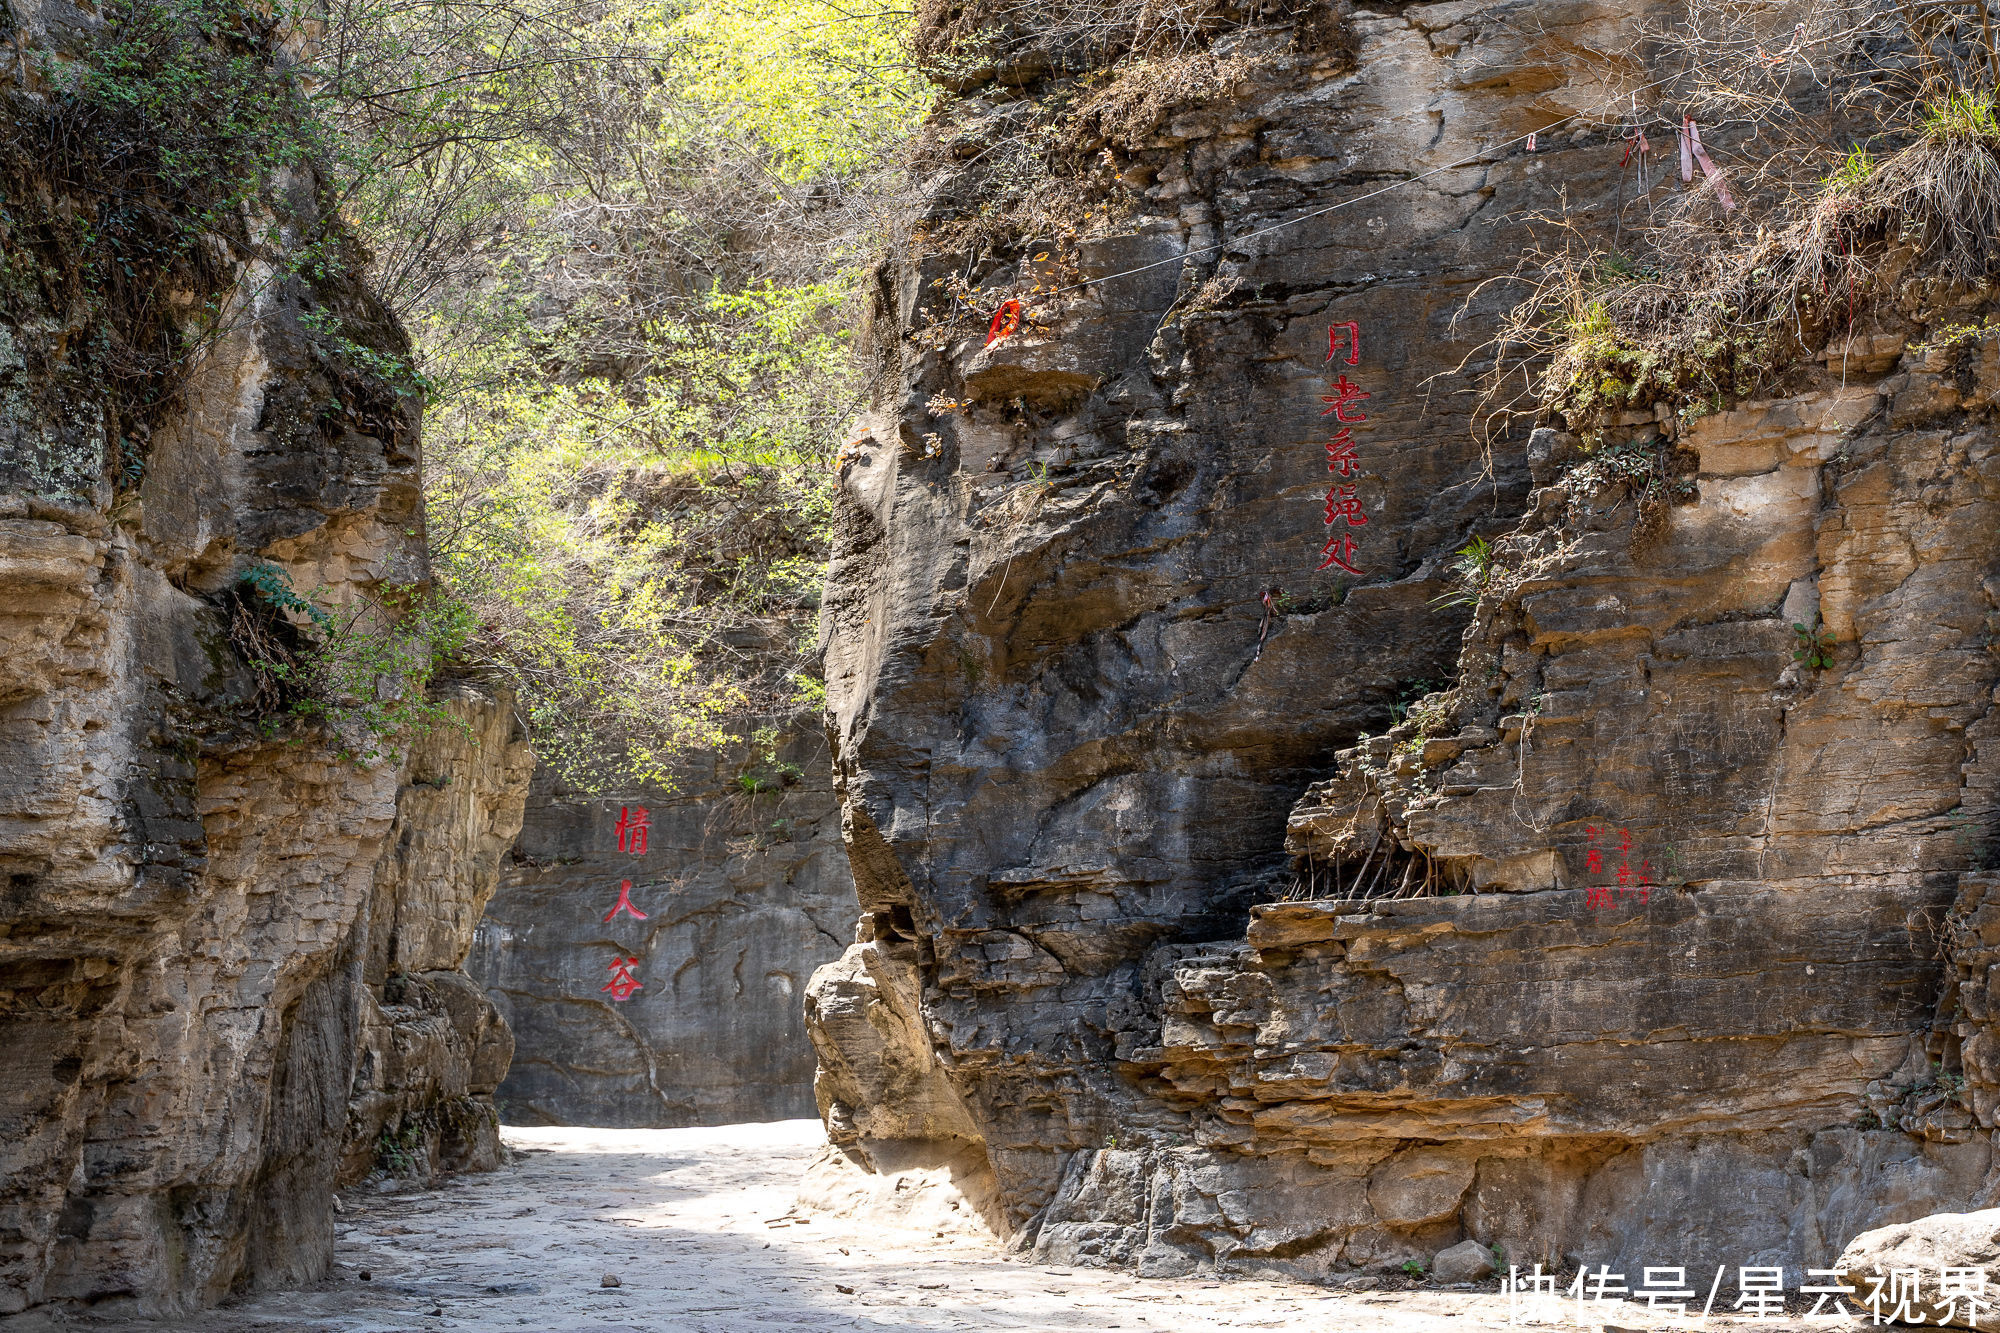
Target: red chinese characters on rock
(622, 982)
(1343, 398)
(624, 903)
(1343, 506)
(634, 826)
(1605, 895)
(1340, 455)
(1353, 332)
(1341, 503)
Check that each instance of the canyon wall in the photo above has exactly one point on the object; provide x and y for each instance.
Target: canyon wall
(433, 1048)
(186, 956)
(1659, 939)
(743, 884)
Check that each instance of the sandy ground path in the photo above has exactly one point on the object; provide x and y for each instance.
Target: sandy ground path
(685, 1220)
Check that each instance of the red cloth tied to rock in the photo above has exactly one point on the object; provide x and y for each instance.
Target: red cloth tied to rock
(1006, 322)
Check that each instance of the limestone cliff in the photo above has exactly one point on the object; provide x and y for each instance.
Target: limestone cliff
(1193, 978)
(183, 945)
(742, 881)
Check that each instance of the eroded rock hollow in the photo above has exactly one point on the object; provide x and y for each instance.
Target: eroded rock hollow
(1661, 941)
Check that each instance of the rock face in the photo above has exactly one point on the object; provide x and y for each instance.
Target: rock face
(743, 883)
(433, 1047)
(183, 934)
(1671, 977)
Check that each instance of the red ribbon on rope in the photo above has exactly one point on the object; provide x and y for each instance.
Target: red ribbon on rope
(1006, 323)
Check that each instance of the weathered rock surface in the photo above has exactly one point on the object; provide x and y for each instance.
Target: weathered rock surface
(743, 885)
(1072, 779)
(433, 1047)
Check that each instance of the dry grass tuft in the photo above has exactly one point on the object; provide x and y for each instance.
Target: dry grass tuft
(961, 42)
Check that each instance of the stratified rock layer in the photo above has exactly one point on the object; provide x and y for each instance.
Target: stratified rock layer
(743, 883)
(1073, 777)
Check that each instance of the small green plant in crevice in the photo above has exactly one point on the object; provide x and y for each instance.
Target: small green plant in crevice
(1960, 115)
(1852, 173)
(766, 772)
(1814, 649)
(1413, 1269)
(1950, 337)
(360, 672)
(329, 332)
(1473, 566)
(1431, 717)
(273, 586)
(396, 1150)
(1408, 693)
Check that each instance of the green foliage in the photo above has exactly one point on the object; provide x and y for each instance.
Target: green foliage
(1473, 566)
(625, 238)
(767, 772)
(360, 672)
(274, 586)
(1955, 335)
(1413, 1268)
(198, 79)
(622, 546)
(641, 379)
(1853, 172)
(1815, 645)
(128, 187)
(817, 90)
(396, 1149)
(1408, 693)
(1960, 115)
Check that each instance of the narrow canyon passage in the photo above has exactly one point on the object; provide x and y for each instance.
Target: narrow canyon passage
(699, 1227)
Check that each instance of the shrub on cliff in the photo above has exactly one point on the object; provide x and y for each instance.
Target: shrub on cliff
(1862, 157)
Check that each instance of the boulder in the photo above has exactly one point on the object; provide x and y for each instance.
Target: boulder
(1928, 1245)
(1467, 1261)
